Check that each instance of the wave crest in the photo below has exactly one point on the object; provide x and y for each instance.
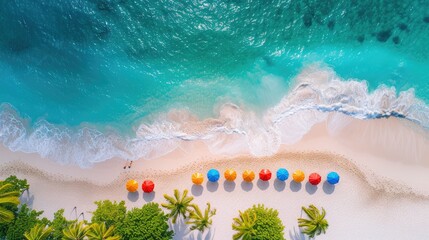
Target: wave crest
(318, 92)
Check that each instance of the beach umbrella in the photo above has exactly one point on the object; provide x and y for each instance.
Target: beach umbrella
(230, 174)
(314, 178)
(132, 185)
(248, 175)
(148, 186)
(213, 175)
(333, 178)
(282, 174)
(265, 174)
(197, 178)
(298, 176)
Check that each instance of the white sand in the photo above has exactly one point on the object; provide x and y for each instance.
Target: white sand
(383, 192)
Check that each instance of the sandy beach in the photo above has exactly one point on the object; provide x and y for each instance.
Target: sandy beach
(383, 192)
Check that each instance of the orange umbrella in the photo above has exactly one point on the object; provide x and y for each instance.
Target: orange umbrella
(197, 178)
(248, 175)
(230, 174)
(298, 176)
(132, 185)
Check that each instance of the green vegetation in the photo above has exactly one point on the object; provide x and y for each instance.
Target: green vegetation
(58, 224)
(25, 220)
(148, 222)
(76, 231)
(38, 232)
(316, 224)
(9, 200)
(108, 221)
(100, 232)
(244, 226)
(20, 185)
(109, 213)
(200, 221)
(257, 223)
(10, 190)
(178, 205)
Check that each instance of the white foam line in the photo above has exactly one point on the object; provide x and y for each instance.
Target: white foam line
(318, 91)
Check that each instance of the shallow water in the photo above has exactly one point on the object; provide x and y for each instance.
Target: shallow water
(101, 76)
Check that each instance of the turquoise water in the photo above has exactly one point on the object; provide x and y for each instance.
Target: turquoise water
(113, 65)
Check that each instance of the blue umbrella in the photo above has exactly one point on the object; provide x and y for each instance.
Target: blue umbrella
(333, 178)
(282, 174)
(213, 175)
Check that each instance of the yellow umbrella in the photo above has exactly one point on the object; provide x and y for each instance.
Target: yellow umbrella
(230, 174)
(248, 175)
(197, 178)
(132, 185)
(298, 176)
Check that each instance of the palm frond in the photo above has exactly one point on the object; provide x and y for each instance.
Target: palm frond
(6, 215)
(7, 196)
(178, 204)
(316, 224)
(244, 226)
(75, 231)
(99, 232)
(38, 232)
(198, 220)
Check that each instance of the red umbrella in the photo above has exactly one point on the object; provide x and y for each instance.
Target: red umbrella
(148, 186)
(265, 175)
(314, 178)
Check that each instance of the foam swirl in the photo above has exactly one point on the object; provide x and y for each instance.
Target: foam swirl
(318, 93)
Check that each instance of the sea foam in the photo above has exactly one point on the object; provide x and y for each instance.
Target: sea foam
(317, 92)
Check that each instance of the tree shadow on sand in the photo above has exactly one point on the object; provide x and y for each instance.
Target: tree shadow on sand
(180, 228)
(296, 235)
(197, 235)
(182, 231)
(27, 198)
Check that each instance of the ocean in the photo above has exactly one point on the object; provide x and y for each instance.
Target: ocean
(83, 81)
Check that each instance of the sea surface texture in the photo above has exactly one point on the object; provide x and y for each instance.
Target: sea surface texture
(83, 81)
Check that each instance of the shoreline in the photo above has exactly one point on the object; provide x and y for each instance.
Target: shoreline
(364, 191)
(317, 94)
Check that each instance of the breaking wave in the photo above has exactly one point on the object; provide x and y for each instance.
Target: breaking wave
(317, 93)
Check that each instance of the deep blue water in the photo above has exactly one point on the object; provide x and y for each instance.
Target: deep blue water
(113, 65)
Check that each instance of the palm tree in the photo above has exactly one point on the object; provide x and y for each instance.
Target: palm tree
(178, 205)
(316, 224)
(8, 196)
(200, 221)
(99, 232)
(38, 232)
(75, 231)
(244, 226)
